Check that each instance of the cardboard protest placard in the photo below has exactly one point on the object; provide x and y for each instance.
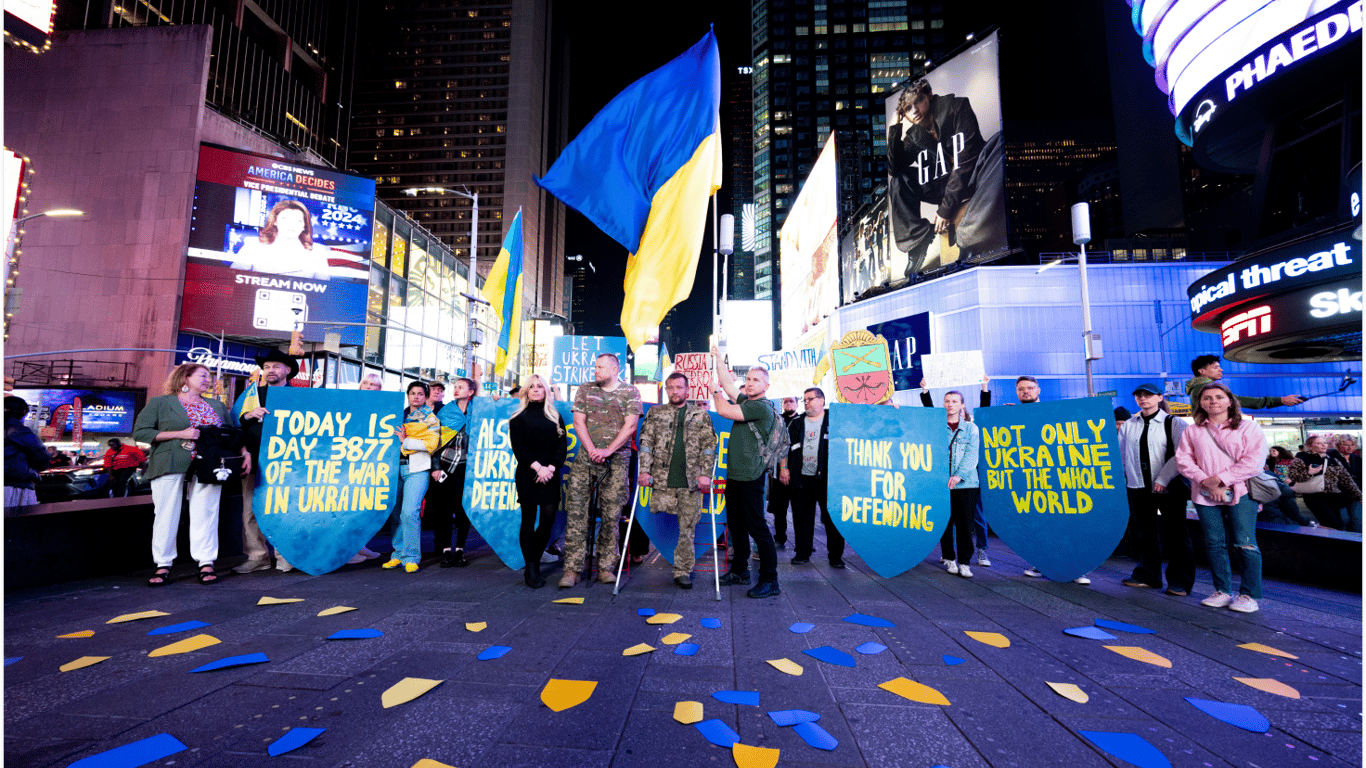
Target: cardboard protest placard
(1052, 484)
(573, 358)
(953, 369)
(863, 369)
(329, 472)
(697, 366)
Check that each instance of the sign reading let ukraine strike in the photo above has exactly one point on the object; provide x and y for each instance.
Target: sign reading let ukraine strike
(329, 467)
(889, 491)
(1052, 485)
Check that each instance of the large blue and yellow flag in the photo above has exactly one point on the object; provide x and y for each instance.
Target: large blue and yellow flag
(503, 291)
(642, 170)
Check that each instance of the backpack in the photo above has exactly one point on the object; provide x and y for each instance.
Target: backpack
(772, 450)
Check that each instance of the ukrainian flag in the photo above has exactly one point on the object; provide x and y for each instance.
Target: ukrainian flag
(503, 291)
(643, 170)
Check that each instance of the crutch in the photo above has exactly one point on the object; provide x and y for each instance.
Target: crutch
(715, 557)
(626, 543)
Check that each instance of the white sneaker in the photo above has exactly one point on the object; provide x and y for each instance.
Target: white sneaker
(982, 558)
(952, 567)
(1082, 580)
(1243, 604)
(1032, 572)
(944, 561)
(965, 571)
(1217, 600)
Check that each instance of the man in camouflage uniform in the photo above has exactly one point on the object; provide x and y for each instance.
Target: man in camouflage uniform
(605, 416)
(678, 446)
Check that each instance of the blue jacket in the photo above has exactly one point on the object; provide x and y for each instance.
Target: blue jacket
(963, 450)
(25, 455)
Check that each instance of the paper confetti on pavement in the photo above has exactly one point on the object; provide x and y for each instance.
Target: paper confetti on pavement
(1270, 685)
(871, 649)
(1090, 633)
(1070, 691)
(355, 634)
(279, 600)
(663, 618)
(801, 627)
(753, 757)
(477, 626)
(710, 623)
(427, 762)
(1238, 715)
(953, 661)
(569, 601)
(645, 612)
(793, 716)
(816, 736)
(76, 635)
(297, 737)
(786, 665)
(1259, 648)
(717, 733)
(831, 656)
(1122, 627)
(869, 621)
(687, 649)
(994, 639)
(910, 689)
(1140, 654)
(560, 695)
(494, 652)
(406, 690)
(674, 638)
(184, 626)
(638, 649)
(83, 662)
(142, 752)
(136, 616)
(746, 698)
(233, 661)
(186, 646)
(1129, 747)
(688, 712)
(333, 611)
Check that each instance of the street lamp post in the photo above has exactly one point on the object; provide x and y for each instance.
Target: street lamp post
(11, 264)
(1081, 235)
(471, 300)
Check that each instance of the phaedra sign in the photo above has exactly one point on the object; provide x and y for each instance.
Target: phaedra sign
(1286, 273)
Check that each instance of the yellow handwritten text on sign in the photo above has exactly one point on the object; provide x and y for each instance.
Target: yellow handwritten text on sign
(1055, 468)
(886, 503)
(492, 468)
(340, 471)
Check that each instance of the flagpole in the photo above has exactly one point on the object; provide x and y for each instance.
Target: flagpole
(716, 301)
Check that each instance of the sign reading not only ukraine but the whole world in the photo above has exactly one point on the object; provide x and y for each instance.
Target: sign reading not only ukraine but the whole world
(329, 472)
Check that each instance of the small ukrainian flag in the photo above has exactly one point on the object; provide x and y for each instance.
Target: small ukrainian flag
(503, 291)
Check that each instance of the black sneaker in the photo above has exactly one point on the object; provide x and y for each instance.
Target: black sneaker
(836, 563)
(801, 559)
(731, 577)
(765, 589)
(683, 582)
(454, 559)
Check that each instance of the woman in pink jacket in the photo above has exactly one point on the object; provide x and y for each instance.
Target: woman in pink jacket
(1219, 454)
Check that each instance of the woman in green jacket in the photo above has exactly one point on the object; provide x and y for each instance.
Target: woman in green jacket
(171, 424)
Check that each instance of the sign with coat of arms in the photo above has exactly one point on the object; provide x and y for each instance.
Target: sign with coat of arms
(862, 368)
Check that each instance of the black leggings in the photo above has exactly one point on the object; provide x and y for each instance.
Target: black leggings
(541, 499)
(441, 497)
(962, 506)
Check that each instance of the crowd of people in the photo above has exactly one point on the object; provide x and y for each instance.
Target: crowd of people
(1220, 463)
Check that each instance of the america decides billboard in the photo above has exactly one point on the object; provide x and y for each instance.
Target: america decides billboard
(276, 246)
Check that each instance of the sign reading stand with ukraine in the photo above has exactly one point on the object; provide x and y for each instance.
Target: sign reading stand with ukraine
(642, 171)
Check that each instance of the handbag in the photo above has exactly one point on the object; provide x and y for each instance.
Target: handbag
(1313, 485)
(217, 455)
(1261, 486)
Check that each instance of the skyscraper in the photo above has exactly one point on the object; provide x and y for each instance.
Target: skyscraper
(740, 181)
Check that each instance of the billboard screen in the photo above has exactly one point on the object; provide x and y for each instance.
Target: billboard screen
(277, 245)
(867, 258)
(103, 411)
(946, 163)
(808, 253)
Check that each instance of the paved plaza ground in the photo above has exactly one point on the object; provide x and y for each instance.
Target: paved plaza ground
(489, 713)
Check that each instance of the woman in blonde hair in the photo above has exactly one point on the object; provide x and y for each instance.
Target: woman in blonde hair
(539, 443)
(171, 424)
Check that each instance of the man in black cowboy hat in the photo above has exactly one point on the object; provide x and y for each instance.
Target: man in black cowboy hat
(278, 368)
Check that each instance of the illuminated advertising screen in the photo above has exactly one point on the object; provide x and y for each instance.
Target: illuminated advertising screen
(749, 330)
(29, 20)
(946, 164)
(277, 246)
(867, 258)
(809, 250)
(103, 411)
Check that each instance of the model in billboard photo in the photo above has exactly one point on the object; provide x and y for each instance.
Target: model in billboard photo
(936, 155)
(284, 246)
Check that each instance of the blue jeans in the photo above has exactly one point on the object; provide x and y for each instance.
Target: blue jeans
(979, 527)
(1233, 526)
(412, 486)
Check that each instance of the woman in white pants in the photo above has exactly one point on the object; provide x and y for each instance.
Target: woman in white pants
(171, 424)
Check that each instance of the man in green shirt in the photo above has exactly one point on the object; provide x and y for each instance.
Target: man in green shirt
(745, 476)
(1207, 368)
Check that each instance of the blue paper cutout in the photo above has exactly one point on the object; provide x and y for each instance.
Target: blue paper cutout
(831, 656)
(645, 612)
(1239, 715)
(1122, 627)
(132, 755)
(297, 737)
(816, 736)
(1090, 633)
(11, 659)
(871, 649)
(686, 649)
(711, 623)
(1129, 747)
(182, 627)
(801, 627)
(494, 652)
(718, 733)
(747, 698)
(233, 661)
(662, 530)
(869, 621)
(953, 661)
(793, 716)
(355, 634)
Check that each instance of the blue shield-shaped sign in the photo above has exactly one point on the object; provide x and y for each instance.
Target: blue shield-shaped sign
(329, 472)
(662, 528)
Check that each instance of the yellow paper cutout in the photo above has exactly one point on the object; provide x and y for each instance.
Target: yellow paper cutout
(569, 601)
(560, 695)
(334, 611)
(663, 618)
(1259, 648)
(1069, 691)
(186, 645)
(406, 690)
(1270, 685)
(74, 635)
(910, 689)
(786, 665)
(136, 616)
(637, 649)
(753, 757)
(86, 661)
(279, 600)
(688, 712)
(1141, 654)
(476, 626)
(674, 638)
(994, 639)
(427, 762)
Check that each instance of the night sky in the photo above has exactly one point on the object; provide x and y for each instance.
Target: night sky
(1055, 68)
